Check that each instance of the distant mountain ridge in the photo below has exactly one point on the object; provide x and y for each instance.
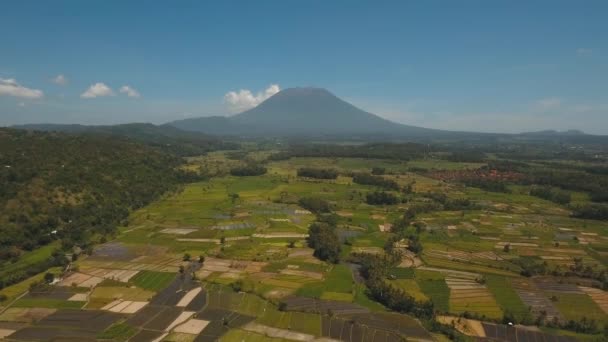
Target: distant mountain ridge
(302, 112)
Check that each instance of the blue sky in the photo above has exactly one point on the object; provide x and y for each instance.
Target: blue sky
(496, 66)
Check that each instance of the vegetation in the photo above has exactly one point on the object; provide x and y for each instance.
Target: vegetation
(248, 170)
(317, 173)
(324, 240)
(367, 179)
(381, 198)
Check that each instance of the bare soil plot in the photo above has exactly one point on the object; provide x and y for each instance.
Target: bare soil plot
(74, 278)
(192, 326)
(178, 231)
(121, 292)
(26, 315)
(79, 297)
(126, 306)
(276, 332)
(308, 274)
(188, 297)
(599, 297)
(452, 273)
(6, 332)
(184, 316)
(281, 235)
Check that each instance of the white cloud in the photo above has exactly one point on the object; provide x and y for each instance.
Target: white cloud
(97, 90)
(10, 87)
(129, 91)
(60, 79)
(244, 98)
(549, 103)
(584, 52)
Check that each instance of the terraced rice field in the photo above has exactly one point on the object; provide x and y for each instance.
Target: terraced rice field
(534, 298)
(469, 296)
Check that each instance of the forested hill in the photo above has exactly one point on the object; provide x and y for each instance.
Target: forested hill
(80, 186)
(164, 137)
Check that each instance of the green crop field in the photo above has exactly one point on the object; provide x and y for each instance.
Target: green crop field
(437, 291)
(150, 280)
(506, 296)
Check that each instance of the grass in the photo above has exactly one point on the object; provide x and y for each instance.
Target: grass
(505, 295)
(576, 306)
(151, 280)
(438, 291)
(14, 291)
(118, 332)
(402, 273)
(28, 259)
(125, 293)
(340, 279)
(47, 303)
(343, 297)
(410, 286)
(313, 290)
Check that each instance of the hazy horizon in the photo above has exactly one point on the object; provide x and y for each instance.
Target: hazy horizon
(472, 66)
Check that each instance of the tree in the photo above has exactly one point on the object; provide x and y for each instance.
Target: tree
(49, 277)
(201, 259)
(234, 197)
(325, 242)
(186, 257)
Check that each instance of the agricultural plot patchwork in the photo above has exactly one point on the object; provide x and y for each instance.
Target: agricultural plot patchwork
(227, 259)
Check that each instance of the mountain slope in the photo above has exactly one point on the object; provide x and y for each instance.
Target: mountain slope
(303, 112)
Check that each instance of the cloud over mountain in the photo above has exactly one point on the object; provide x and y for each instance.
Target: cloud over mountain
(244, 98)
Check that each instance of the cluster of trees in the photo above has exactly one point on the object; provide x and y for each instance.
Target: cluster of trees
(381, 198)
(378, 171)
(315, 205)
(248, 170)
(467, 156)
(487, 184)
(322, 237)
(74, 187)
(403, 151)
(579, 179)
(367, 179)
(591, 211)
(451, 203)
(57, 258)
(165, 137)
(317, 173)
(374, 269)
(551, 194)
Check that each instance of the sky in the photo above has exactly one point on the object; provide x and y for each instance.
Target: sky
(491, 66)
